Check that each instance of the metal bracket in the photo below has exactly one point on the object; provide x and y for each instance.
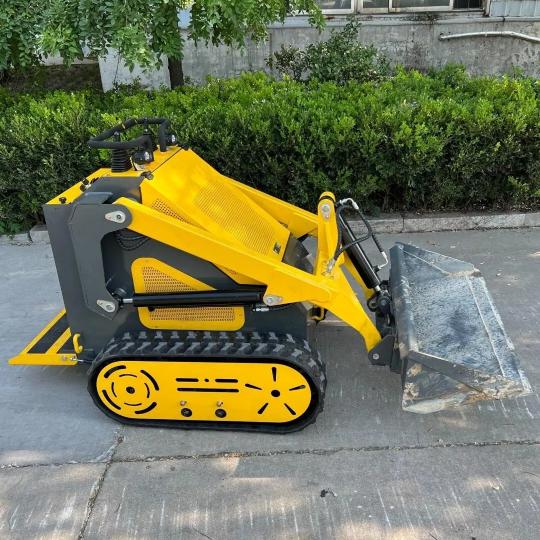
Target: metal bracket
(116, 217)
(386, 353)
(109, 307)
(272, 300)
(89, 222)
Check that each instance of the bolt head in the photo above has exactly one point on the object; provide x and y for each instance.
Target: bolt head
(326, 211)
(376, 356)
(272, 300)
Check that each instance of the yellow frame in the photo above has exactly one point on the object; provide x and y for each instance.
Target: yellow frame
(242, 402)
(327, 288)
(50, 358)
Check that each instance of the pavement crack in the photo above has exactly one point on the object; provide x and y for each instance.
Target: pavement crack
(323, 451)
(111, 453)
(201, 533)
(107, 458)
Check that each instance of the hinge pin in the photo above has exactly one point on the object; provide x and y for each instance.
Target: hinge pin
(107, 306)
(117, 216)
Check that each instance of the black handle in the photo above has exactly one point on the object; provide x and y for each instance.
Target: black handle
(101, 140)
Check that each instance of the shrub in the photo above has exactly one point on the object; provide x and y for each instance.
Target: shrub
(444, 141)
(340, 59)
(42, 150)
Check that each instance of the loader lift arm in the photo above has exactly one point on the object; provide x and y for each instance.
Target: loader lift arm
(284, 284)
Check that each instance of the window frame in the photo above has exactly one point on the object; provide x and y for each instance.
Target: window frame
(362, 9)
(342, 11)
(392, 9)
(357, 6)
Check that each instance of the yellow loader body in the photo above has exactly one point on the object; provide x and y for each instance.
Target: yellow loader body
(195, 301)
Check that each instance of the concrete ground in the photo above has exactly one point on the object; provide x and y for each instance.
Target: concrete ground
(365, 470)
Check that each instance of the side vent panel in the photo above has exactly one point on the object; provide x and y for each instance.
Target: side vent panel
(229, 211)
(152, 276)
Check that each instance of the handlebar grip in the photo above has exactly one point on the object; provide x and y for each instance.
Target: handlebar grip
(100, 141)
(117, 145)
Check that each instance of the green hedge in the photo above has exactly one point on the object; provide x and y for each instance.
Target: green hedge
(442, 141)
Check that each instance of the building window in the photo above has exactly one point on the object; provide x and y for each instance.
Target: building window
(421, 5)
(468, 4)
(374, 4)
(337, 6)
(395, 6)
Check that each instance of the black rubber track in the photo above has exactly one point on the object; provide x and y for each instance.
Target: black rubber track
(217, 346)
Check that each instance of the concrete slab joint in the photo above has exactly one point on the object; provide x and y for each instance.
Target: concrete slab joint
(98, 484)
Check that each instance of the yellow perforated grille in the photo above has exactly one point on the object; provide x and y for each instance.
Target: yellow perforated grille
(236, 217)
(159, 282)
(164, 208)
(208, 314)
(151, 276)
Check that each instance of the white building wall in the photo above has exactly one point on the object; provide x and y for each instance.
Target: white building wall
(410, 39)
(115, 72)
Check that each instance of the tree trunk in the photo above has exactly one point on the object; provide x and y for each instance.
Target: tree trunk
(176, 72)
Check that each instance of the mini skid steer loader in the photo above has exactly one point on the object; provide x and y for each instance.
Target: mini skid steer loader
(195, 304)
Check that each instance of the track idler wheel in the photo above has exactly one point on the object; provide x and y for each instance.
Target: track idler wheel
(210, 380)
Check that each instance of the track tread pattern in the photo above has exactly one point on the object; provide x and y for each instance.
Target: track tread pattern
(244, 346)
